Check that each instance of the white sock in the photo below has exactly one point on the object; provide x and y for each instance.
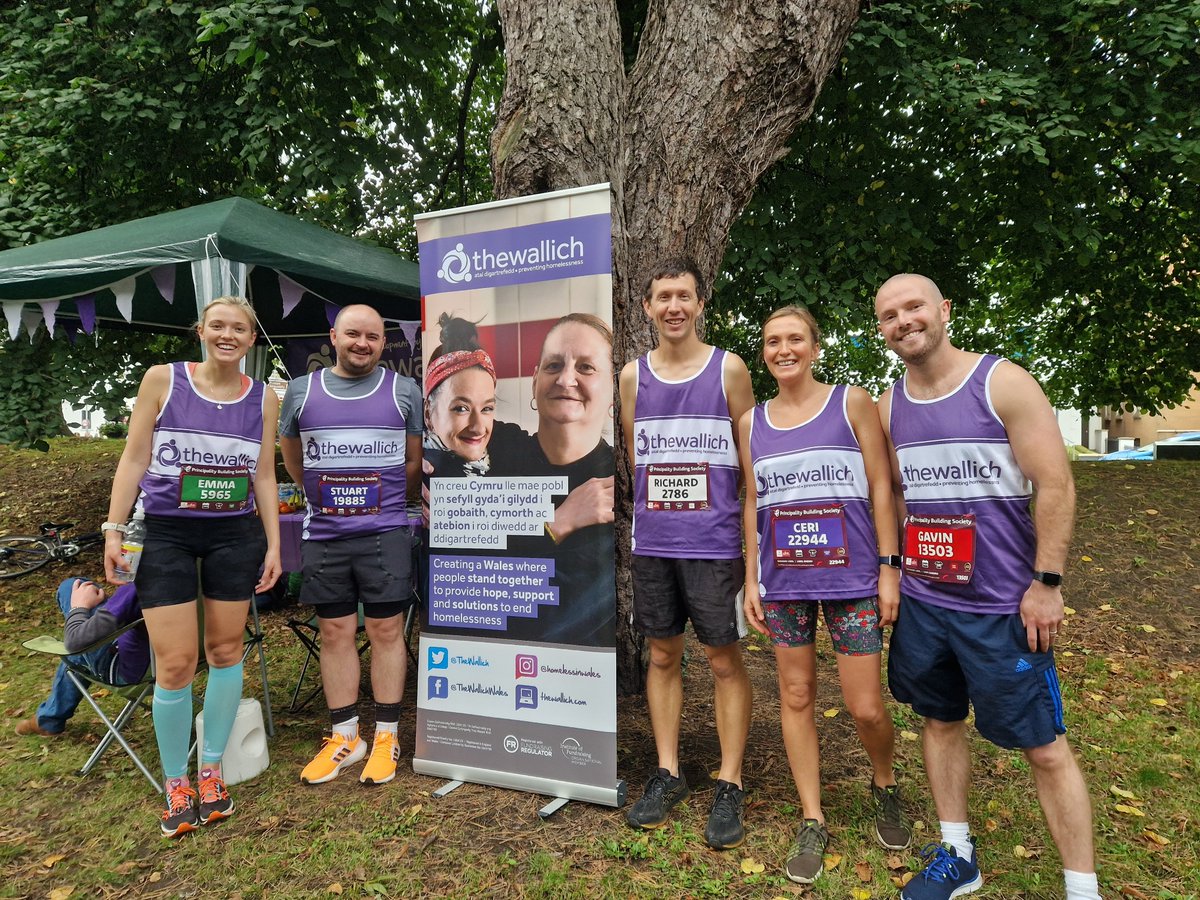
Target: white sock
(391, 727)
(347, 729)
(958, 836)
(1081, 885)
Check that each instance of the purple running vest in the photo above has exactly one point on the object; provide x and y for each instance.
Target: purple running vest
(204, 452)
(354, 479)
(686, 466)
(816, 538)
(968, 543)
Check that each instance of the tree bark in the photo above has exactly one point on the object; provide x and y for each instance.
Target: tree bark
(717, 89)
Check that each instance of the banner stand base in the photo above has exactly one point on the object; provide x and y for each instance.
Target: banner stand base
(552, 807)
(446, 788)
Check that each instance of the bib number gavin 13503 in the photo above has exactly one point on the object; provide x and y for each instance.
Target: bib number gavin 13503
(940, 548)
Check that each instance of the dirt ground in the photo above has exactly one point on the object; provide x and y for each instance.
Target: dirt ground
(1137, 539)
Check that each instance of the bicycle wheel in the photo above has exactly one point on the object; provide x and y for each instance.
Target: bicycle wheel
(22, 553)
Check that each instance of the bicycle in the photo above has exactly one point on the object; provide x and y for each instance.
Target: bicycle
(20, 554)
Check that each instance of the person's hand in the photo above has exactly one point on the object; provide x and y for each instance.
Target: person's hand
(1042, 614)
(86, 594)
(889, 595)
(112, 555)
(752, 605)
(272, 569)
(427, 468)
(589, 504)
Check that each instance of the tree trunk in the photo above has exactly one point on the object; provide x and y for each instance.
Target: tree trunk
(716, 92)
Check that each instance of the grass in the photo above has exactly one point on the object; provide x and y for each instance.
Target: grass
(1133, 713)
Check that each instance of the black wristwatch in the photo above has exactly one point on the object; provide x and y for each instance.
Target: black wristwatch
(893, 561)
(1050, 579)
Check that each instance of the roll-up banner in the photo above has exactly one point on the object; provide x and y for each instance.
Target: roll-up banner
(517, 668)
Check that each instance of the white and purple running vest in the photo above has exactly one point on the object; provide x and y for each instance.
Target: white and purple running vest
(203, 453)
(816, 539)
(968, 543)
(354, 479)
(686, 466)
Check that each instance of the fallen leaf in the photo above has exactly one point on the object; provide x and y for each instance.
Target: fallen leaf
(1156, 837)
(908, 735)
(1068, 611)
(334, 888)
(1067, 653)
(754, 648)
(894, 861)
(414, 809)
(832, 713)
(49, 861)
(1157, 701)
(1086, 558)
(1107, 607)
(1129, 810)
(860, 894)
(62, 893)
(863, 870)
(1121, 792)
(126, 867)
(1152, 512)
(990, 825)
(752, 866)
(155, 877)
(1149, 629)
(1019, 851)
(832, 860)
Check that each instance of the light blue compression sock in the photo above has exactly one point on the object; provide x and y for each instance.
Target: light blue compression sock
(173, 728)
(221, 701)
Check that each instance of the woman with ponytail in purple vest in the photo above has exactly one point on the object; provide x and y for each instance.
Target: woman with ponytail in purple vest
(820, 530)
(201, 445)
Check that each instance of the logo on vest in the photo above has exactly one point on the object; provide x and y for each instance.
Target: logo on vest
(967, 471)
(822, 474)
(456, 267)
(312, 451)
(171, 454)
(692, 443)
(316, 450)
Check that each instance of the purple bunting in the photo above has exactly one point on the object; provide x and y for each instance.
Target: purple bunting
(164, 280)
(86, 307)
(331, 311)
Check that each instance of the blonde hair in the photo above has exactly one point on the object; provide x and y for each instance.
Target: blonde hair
(236, 302)
(803, 314)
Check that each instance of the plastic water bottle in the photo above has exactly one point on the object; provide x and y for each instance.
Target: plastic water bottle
(132, 545)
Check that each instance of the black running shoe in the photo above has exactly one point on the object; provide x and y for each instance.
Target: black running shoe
(663, 791)
(215, 802)
(725, 829)
(180, 816)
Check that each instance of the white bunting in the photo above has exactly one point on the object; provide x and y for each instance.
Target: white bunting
(49, 308)
(123, 290)
(12, 312)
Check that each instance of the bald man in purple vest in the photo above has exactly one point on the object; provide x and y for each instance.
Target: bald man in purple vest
(973, 440)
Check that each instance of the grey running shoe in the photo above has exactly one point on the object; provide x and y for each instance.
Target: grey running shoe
(180, 816)
(725, 829)
(890, 830)
(806, 861)
(663, 791)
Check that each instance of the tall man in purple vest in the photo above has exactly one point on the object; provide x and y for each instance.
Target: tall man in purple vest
(352, 435)
(972, 438)
(679, 405)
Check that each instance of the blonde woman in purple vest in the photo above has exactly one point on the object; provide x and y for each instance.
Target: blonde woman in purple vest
(201, 445)
(820, 531)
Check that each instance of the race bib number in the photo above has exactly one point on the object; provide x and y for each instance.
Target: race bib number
(809, 536)
(940, 548)
(354, 494)
(678, 487)
(214, 488)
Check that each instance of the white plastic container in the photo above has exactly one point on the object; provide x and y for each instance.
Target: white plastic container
(246, 754)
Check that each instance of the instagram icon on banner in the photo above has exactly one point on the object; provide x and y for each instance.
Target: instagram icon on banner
(527, 665)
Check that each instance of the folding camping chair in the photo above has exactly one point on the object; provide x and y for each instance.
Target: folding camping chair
(136, 696)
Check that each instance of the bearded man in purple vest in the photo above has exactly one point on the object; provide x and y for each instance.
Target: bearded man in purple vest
(352, 436)
(679, 404)
(972, 439)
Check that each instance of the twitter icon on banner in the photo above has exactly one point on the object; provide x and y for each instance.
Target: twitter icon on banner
(439, 658)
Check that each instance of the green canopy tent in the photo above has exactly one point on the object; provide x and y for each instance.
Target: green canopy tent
(155, 273)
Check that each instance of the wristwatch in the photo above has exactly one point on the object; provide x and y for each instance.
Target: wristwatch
(1050, 579)
(893, 561)
(113, 526)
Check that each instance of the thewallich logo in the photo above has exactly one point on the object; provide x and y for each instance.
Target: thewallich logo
(169, 454)
(312, 450)
(456, 267)
(643, 443)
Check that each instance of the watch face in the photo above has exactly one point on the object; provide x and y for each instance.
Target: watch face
(1050, 579)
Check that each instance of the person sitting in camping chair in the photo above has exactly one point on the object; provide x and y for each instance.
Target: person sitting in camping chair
(89, 619)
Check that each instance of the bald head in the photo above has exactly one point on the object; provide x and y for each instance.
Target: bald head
(358, 338)
(912, 316)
